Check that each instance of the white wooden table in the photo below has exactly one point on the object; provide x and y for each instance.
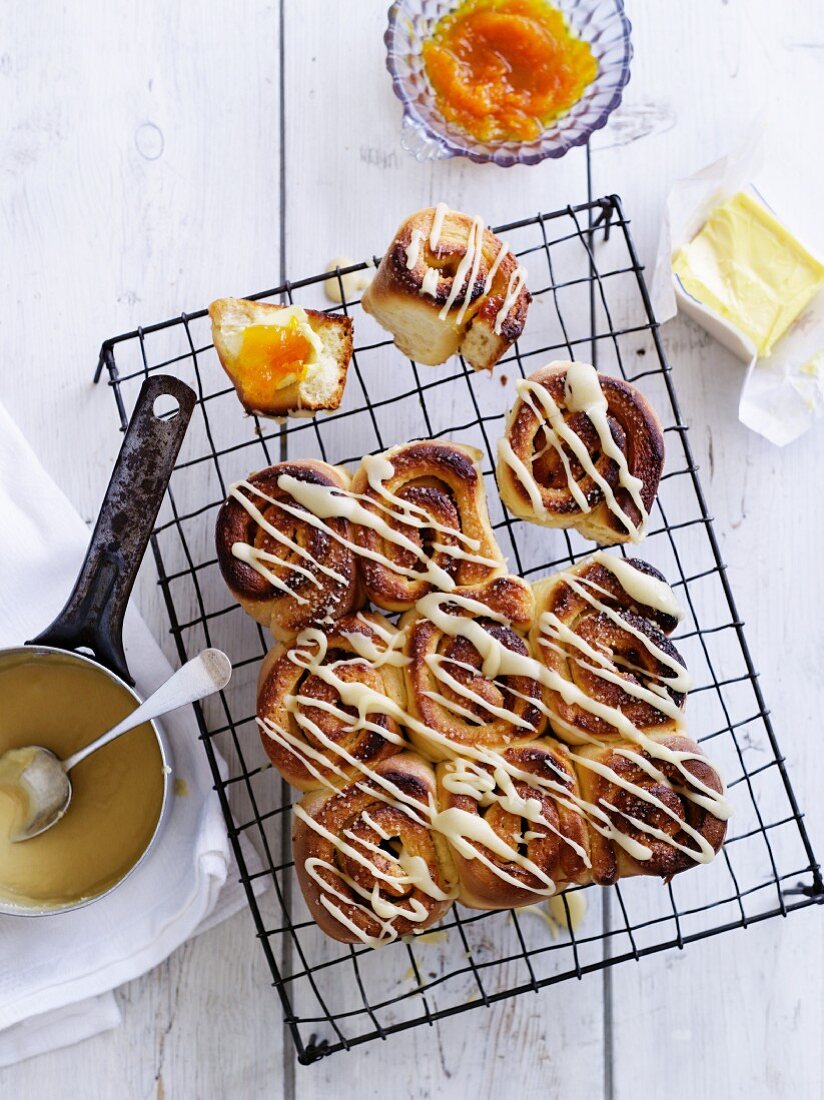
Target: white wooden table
(155, 156)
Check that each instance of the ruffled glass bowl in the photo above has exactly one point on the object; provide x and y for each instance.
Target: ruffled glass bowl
(428, 136)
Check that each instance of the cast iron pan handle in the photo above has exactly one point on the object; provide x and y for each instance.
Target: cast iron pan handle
(93, 616)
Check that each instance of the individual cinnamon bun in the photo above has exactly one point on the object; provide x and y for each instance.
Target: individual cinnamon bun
(369, 866)
(328, 703)
(600, 631)
(661, 809)
(468, 680)
(424, 523)
(582, 450)
(514, 825)
(286, 567)
(447, 284)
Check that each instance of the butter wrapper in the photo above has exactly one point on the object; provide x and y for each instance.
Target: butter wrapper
(783, 393)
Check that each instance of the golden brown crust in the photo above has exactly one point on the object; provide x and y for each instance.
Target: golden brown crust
(313, 595)
(442, 480)
(558, 845)
(397, 300)
(664, 807)
(351, 815)
(635, 429)
(301, 714)
(629, 661)
(464, 704)
(334, 330)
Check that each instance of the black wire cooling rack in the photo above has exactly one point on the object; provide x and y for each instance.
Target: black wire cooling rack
(590, 301)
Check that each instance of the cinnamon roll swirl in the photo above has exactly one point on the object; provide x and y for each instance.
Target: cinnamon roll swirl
(424, 523)
(468, 678)
(447, 284)
(369, 866)
(286, 567)
(514, 824)
(581, 450)
(600, 632)
(327, 703)
(660, 810)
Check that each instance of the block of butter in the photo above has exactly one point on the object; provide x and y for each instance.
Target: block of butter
(726, 260)
(745, 268)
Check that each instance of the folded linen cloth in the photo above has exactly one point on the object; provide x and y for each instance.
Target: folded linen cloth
(57, 973)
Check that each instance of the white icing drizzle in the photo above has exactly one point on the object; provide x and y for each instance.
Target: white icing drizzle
(457, 825)
(467, 273)
(346, 286)
(387, 932)
(370, 821)
(571, 915)
(413, 873)
(429, 283)
(380, 469)
(390, 652)
(441, 210)
(438, 936)
(557, 915)
(467, 270)
(413, 249)
(324, 504)
(437, 666)
(507, 455)
(462, 828)
(582, 393)
(646, 590)
(490, 278)
(411, 870)
(680, 680)
(258, 559)
(513, 289)
(497, 785)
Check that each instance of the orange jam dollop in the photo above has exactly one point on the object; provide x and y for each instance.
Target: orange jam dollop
(271, 357)
(502, 70)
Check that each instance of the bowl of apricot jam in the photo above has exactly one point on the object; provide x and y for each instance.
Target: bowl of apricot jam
(506, 81)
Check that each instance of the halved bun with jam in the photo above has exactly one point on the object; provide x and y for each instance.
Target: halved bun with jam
(282, 360)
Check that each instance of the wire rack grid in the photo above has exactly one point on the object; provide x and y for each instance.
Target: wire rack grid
(590, 301)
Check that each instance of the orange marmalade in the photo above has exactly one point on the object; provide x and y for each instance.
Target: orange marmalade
(502, 70)
(271, 357)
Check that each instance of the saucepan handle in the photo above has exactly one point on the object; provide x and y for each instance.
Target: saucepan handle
(93, 615)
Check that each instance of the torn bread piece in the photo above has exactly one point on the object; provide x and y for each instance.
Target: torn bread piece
(448, 285)
(282, 360)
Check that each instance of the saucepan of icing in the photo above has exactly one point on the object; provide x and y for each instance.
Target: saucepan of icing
(63, 699)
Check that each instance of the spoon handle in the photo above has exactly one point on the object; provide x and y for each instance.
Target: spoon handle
(202, 676)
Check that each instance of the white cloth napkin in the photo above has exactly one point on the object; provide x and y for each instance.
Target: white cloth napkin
(57, 973)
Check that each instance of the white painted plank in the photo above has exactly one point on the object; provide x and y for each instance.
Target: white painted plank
(140, 177)
(343, 133)
(737, 1012)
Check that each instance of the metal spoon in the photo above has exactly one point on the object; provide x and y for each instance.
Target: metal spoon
(43, 780)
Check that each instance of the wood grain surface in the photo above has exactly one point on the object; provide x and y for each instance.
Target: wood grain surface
(155, 156)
